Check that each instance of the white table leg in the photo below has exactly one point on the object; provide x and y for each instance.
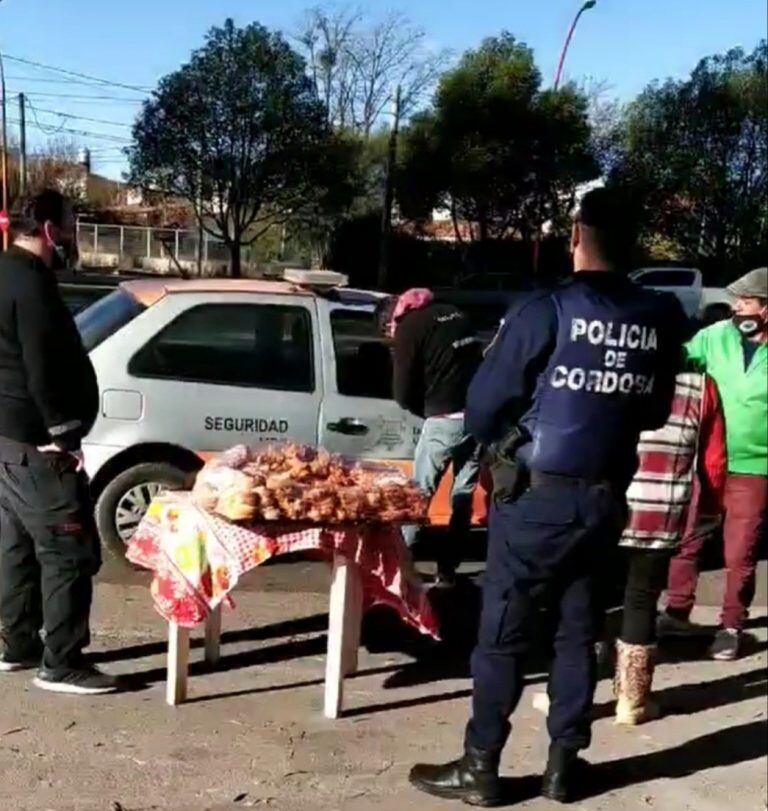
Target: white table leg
(353, 620)
(343, 632)
(178, 664)
(213, 636)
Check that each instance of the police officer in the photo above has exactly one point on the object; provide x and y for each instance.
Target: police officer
(573, 378)
(49, 550)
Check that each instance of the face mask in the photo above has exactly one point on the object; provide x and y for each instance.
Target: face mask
(64, 252)
(749, 325)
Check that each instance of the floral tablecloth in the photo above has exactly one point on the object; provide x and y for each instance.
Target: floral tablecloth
(197, 560)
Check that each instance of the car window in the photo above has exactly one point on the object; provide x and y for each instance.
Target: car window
(105, 317)
(667, 278)
(363, 357)
(258, 345)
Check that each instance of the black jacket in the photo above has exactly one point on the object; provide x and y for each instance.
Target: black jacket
(436, 354)
(48, 389)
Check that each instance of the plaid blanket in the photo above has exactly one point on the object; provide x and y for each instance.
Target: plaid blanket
(690, 445)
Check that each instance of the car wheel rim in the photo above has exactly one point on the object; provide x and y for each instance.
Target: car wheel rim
(132, 507)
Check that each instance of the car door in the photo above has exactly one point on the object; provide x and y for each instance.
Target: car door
(358, 416)
(208, 371)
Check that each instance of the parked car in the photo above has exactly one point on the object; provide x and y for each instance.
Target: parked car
(78, 297)
(80, 290)
(703, 304)
(189, 368)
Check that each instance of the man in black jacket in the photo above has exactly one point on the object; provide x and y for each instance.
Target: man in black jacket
(436, 354)
(49, 549)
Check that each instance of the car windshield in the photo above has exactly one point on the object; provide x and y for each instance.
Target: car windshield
(104, 318)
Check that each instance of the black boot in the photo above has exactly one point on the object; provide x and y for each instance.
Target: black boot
(562, 777)
(474, 779)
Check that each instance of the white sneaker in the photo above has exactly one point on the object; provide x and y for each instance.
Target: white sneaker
(83, 681)
(12, 664)
(727, 645)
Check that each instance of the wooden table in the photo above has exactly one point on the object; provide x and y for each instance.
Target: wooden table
(344, 625)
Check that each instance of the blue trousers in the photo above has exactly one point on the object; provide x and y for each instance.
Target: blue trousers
(444, 442)
(547, 550)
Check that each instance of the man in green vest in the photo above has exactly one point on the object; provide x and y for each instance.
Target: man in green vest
(735, 354)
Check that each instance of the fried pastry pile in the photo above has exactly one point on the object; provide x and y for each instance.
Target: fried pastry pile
(298, 483)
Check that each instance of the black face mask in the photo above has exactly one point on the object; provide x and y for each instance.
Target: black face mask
(749, 325)
(64, 255)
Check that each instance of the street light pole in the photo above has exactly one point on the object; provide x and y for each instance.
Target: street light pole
(589, 4)
(4, 148)
(585, 7)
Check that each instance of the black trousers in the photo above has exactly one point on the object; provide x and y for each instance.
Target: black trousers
(49, 554)
(551, 548)
(647, 571)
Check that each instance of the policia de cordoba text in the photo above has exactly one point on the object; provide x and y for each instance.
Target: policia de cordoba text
(633, 337)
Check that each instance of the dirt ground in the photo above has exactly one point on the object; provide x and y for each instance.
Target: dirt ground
(253, 735)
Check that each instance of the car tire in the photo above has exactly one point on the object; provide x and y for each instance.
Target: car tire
(127, 492)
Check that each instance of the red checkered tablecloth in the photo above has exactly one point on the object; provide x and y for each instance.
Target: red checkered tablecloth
(197, 560)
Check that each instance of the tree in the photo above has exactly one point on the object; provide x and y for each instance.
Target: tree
(355, 64)
(698, 151)
(497, 151)
(342, 175)
(53, 164)
(606, 124)
(237, 132)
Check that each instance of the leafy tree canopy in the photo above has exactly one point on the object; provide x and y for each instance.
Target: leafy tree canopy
(698, 151)
(237, 132)
(497, 150)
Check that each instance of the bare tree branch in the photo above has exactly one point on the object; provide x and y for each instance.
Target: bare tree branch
(356, 64)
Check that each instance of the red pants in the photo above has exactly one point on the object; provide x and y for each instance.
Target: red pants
(745, 503)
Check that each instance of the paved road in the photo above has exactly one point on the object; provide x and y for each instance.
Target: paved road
(253, 737)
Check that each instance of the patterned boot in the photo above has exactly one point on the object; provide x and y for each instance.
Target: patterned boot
(632, 684)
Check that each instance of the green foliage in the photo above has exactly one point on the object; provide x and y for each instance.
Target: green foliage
(239, 133)
(497, 150)
(698, 152)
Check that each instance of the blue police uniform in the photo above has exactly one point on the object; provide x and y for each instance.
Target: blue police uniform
(582, 370)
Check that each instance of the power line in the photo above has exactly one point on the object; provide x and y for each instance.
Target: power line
(76, 74)
(49, 80)
(84, 118)
(76, 97)
(47, 128)
(69, 131)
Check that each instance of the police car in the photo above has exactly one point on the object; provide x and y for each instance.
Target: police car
(189, 368)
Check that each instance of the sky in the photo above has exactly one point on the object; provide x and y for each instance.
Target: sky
(626, 43)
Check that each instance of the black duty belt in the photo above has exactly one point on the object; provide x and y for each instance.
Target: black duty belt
(538, 479)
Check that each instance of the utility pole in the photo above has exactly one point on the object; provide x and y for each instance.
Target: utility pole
(4, 148)
(22, 145)
(389, 193)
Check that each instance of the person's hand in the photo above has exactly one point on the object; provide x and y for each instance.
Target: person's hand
(78, 461)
